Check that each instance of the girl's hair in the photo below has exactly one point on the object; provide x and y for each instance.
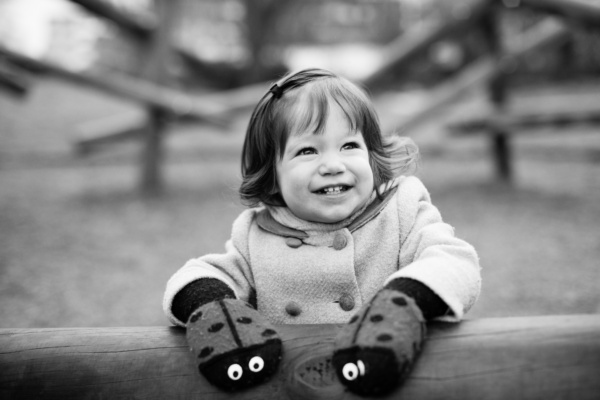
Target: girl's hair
(287, 109)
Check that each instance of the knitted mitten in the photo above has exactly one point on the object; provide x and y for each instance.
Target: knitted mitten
(234, 345)
(375, 351)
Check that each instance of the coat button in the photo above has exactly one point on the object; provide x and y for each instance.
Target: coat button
(339, 241)
(347, 302)
(293, 309)
(293, 242)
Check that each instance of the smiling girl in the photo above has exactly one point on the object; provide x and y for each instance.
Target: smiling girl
(335, 232)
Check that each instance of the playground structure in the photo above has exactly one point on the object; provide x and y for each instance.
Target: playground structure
(550, 357)
(152, 89)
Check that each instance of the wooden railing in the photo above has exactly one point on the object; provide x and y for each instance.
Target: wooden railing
(550, 357)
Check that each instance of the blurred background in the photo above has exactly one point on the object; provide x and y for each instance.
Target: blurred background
(121, 125)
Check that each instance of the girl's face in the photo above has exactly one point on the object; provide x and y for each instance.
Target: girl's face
(325, 177)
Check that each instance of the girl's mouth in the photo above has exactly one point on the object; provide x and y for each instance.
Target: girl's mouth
(331, 190)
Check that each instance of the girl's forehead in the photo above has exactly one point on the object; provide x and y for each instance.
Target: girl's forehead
(310, 116)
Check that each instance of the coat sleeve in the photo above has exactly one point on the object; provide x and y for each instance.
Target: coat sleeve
(432, 255)
(231, 267)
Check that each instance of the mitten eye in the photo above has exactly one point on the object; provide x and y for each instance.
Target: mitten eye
(350, 371)
(256, 364)
(235, 372)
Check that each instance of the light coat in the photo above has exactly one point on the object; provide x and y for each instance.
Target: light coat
(309, 273)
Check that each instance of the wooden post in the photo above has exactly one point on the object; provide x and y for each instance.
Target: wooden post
(525, 358)
(154, 69)
(497, 89)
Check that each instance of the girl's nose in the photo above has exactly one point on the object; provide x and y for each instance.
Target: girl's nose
(332, 166)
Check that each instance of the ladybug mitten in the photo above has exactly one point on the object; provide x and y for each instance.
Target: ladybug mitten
(235, 346)
(376, 349)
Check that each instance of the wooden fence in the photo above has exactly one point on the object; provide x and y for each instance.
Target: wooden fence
(550, 357)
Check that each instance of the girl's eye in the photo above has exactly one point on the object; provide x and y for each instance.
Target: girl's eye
(350, 146)
(306, 151)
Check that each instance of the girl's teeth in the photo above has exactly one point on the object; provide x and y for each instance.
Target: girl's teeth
(333, 190)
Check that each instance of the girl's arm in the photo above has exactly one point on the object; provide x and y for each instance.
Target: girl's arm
(438, 278)
(435, 265)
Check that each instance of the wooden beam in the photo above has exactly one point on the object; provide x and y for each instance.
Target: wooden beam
(579, 10)
(108, 130)
(13, 78)
(522, 358)
(549, 32)
(130, 88)
(514, 119)
(137, 24)
(415, 42)
(95, 134)
(239, 99)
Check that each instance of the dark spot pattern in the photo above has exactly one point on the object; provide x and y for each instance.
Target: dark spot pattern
(377, 318)
(400, 301)
(268, 332)
(384, 337)
(196, 316)
(216, 327)
(244, 320)
(205, 352)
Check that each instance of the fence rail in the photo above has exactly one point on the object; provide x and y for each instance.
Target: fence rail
(551, 357)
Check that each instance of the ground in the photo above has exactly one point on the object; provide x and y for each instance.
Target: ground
(79, 246)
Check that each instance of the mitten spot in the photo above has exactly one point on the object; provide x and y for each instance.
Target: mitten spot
(384, 337)
(196, 316)
(268, 332)
(244, 320)
(205, 352)
(399, 301)
(377, 318)
(347, 302)
(216, 327)
(293, 309)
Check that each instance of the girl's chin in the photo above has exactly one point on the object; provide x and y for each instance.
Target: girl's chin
(331, 217)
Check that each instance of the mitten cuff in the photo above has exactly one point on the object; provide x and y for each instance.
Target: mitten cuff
(431, 305)
(198, 293)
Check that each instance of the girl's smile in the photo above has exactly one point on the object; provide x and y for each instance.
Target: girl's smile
(326, 176)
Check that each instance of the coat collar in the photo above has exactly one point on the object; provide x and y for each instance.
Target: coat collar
(265, 220)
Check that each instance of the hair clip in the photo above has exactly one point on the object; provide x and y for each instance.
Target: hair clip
(276, 90)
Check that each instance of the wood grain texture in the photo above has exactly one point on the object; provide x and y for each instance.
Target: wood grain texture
(554, 357)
